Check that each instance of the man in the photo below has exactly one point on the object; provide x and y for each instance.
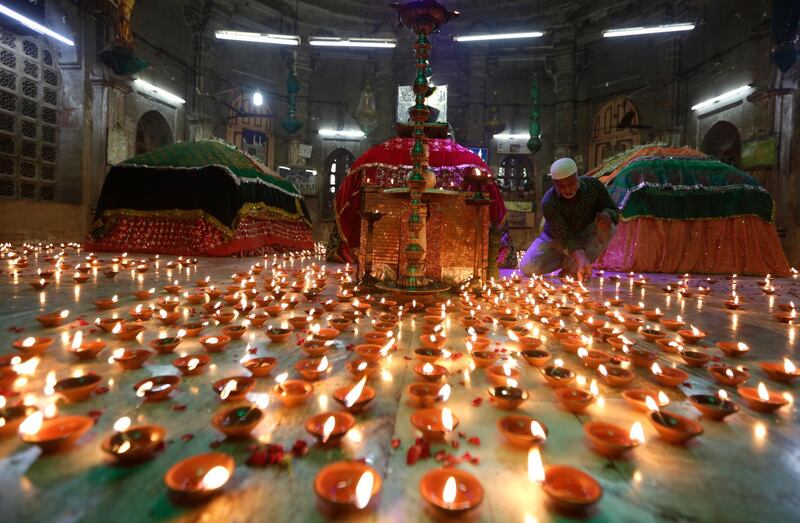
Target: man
(580, 218)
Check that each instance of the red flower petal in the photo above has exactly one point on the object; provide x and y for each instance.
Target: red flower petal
(413, 454)
(396, 443)
(477, 402)
(187, 437)
(474, 440)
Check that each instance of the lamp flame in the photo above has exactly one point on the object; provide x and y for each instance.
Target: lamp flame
(323, 364)
(449, 491)
(447, 419)
(763, 393)
(537, 431)
(535, 466)
(364, 489)
(122, 424)
(788, 366)
(637, 432)
(651, 404)
(32, 424)
(215, 478)
(327, 428)
(355, 393)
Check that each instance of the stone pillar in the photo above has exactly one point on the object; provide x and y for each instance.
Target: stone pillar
(385, 95)
(109, 131)
(302, 64)
(669, 72)
(562, 69)
(476, 95)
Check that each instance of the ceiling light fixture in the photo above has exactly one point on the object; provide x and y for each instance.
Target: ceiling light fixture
(333, 133)
(375, 43)
(634, 31)
(499, 36)
(258, 99)
(39, 28)
(512, 137)
(724, 96)
(260, 38)
(151, 90)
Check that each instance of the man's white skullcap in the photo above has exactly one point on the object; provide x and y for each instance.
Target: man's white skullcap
(563, 168)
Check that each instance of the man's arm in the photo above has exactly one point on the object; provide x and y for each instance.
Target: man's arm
(607, 203)
(558, 228)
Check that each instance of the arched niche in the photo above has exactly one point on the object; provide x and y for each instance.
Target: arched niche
(337, 164)
(152, 132)
(613, 130)
(723, 142)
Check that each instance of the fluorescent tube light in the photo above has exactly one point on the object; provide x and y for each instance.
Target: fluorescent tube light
(511, 137)
(380, 43)
(724, 96)
(39, 28)
(258, 99)
(499, 36)
(150, 89)
(261, 38)
(333, 133)
(634, 31)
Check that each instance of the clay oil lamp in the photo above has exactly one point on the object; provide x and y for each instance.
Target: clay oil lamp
(593, 358)
(782, 372)
(12, 416)
(137, 313)
(651, 334)
(54, 434)
(499, 375)
(328, 334)
(130, 445)
(522, 431)
(572, 342)
(214, 343)
(363, 368)
(468, 320)
(300, 322)
(144, 294)
(424, 355)
(729, 376)
(330, 427)
(347, 487)
(594, 324)
(569, 489)
(371, 352)
(566, 310)
(653, 314)
(278, 334)
(668, 377)
(480, 342)
(633, 324)
(257, 319)
(80, 277)
(313, 369)
(434, 424)
(426, 395)
(786, 317)
(693, 335)
(483, 358)
(341, 324)
(432, 341)
(52, 319)
(191, 365)
(574, 400)
(131, 359)
(451, 492)
(32, 345)
(786, 307)
(193, 329)
(694, 358)
(733, 349)
(239, 422)
(560, 331)
(669, 346)
(169, 304)
(604, 333)
(612, 441)
(275, 310)
(361, 306)
(127, 331)
(430, 371)
(509, 396)
(156, 388)
(672, 428)
(234, 332)
(634, 308)
(760, 399)
(195, 298)
(106, 303)
(292, 393)
(78, 388)
(734, 303)
(165, 345)
(39, 284)
(557, 376)
(234, 388)
(536, 357)
(637, 398)
(620, 342)
(224, 316)
(355, 399)
(199, 477)
(260, 367)
(615, 376)
(315, 348)
(641, 358)
(672, 324)
(714, 407)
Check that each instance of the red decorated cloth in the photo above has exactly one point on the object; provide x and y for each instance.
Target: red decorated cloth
(386, 165)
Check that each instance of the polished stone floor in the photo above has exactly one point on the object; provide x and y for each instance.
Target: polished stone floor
(742, 470)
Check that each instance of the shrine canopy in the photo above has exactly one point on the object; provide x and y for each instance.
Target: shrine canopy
(198, 198)
(387, 164)
(683, 211)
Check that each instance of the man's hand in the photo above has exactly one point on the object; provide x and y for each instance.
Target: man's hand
(584, 265)
(603, 221)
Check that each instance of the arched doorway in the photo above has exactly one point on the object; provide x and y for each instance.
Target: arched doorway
(613, 131)
(337, 164)
(152, 132)
(250, 129)
(722, 142)
(515, 173)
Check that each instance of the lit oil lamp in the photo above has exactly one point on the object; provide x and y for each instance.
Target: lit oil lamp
(54, 434)
(192, 330)
(234, 388)
(522, 431)
(32, 345)
(131, 359)
(694, 358)
(357, 398)
(615, 376)
(239, 422)
(78, 388)
(783, 372)
(426, 395)
(278, 334)
(451, 492)
(39, 284)
(215, 343)
(729, 376)
(786, 317)
(199, 477)
(637, 398)
(165, 345)
(574, 400)
(672, 324)
(672, 428)
(330, 427)
(641, 358)
(612, 441)
(313, 369)
(344, 488)
(500, 375)
(432, 341)
(714, 407)
(260, 367)
(434, 424)
(733, 349)
(156, 388)
(106, 303)
(760, 399)
(292, 393)
(129, 445)
(191, 365)
(667, 376)
(328, 334)
(734, 303)
(593, 358)
(424, 355)
(653, 314)
(12, 416)
(363, 368)
(569, 489)
(144, 294)
(557, 376)
(127, 331)
(53, 319)
(536, 357)
(430, 371)
(341, 324)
